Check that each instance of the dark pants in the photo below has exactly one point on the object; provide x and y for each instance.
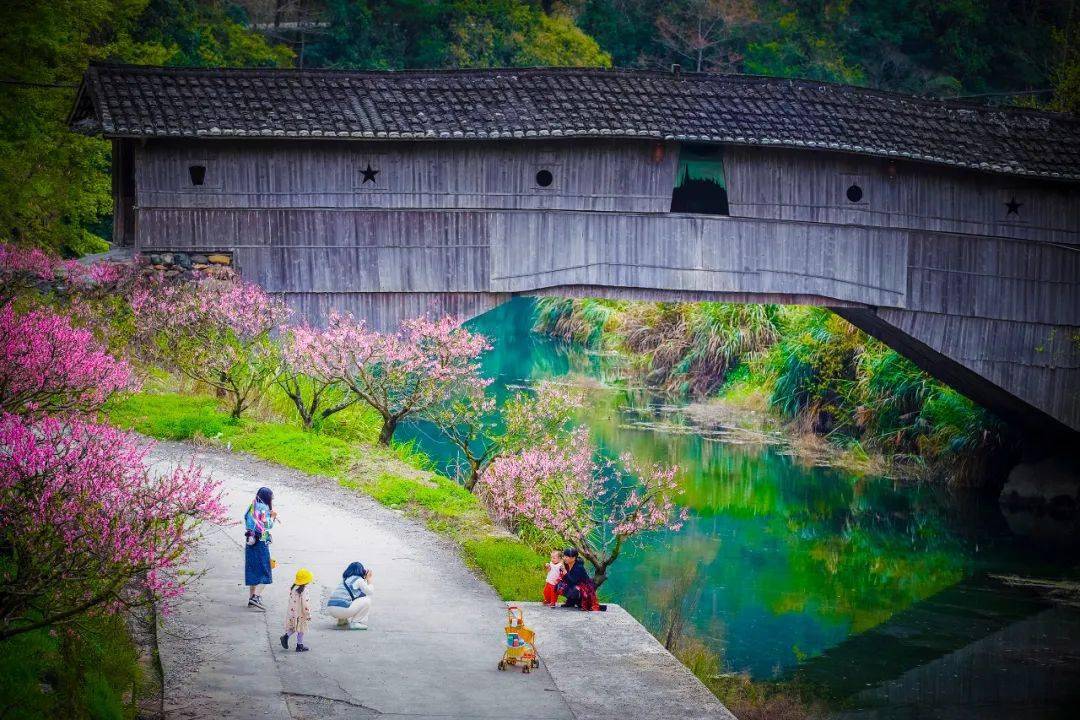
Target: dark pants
(573, 597)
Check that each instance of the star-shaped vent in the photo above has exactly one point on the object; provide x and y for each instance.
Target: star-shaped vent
(1013, 206)
(369, 174)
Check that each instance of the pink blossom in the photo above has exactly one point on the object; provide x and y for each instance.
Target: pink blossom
(32, 262)
(49, 366)
(215, 331)
(399, 374)
(92, 528)
(596, 504)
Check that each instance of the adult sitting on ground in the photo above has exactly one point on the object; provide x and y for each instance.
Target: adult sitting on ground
(576, 584)
(350, 602)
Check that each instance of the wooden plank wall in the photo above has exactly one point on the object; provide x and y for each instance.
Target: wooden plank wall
(587, 175)
(711, 254)
(812, 186)
(518, 251)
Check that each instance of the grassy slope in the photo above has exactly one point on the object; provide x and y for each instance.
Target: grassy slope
(344, 450)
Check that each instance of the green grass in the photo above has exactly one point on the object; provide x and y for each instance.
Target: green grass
(513, 568)
(172, 416)
(93, 672)
(168, 416)
(399, 477)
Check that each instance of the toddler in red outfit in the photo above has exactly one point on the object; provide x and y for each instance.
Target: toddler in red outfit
(555, 570)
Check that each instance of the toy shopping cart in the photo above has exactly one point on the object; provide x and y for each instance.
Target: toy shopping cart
(520, 648)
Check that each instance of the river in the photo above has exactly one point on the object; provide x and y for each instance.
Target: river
(888, 599)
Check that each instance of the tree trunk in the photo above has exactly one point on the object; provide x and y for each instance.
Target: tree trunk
(238, 407)
(474, 475)
(387, 432)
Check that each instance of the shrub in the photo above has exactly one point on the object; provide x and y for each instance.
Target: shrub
(87, 527)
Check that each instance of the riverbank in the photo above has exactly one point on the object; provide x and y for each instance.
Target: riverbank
(435, 631)
(835, 395)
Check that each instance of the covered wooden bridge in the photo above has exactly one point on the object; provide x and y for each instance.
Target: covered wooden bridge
(950, 231)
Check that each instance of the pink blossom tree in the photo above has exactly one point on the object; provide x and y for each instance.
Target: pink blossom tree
(402, 374)
(482, 432)
(596, 504)
(48, 366)
(85, 527)
(316, 395)
(214, 331)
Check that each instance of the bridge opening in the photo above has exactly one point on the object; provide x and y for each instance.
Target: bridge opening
(700, 186)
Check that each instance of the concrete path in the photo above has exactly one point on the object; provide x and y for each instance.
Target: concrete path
(436, 629)
(613, 651)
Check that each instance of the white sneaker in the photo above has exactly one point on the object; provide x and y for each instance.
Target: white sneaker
(357, 626)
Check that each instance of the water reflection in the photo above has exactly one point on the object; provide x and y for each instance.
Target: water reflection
(864, 588)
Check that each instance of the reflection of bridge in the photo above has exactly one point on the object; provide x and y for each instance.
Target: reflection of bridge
(950, 231)
(980, 648)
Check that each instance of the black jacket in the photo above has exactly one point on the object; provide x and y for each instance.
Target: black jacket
(577, 574)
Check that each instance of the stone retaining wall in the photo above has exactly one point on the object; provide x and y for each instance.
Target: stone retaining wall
(176, 264)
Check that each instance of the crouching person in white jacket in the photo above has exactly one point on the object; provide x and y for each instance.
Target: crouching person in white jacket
(350, 602)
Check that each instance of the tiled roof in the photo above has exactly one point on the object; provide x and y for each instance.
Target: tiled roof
(130, 101)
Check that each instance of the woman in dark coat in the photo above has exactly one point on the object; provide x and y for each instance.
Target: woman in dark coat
(258, 519)
(576, 584)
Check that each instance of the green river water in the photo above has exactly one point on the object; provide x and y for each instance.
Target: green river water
(888, 599)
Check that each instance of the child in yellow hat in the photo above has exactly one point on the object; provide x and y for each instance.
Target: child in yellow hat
(299, 614)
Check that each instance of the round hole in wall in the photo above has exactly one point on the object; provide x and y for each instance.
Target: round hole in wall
(544, 178)
(854, 193)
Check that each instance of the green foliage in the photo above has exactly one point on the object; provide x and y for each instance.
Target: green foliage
(55, 190)
(1066, 73)
(189, 33)
(290, 446)
(554, 40)
(684, 347)
(437, 496)
(396, 34)
(832, 378)
(88, 671)
(585, 321)
(174, 416)
(920, 46)
(817, 370)
(168, 416)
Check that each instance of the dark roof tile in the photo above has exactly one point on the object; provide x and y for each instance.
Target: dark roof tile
(181, 102)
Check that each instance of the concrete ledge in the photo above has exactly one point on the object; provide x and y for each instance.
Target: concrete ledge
(609, 667)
